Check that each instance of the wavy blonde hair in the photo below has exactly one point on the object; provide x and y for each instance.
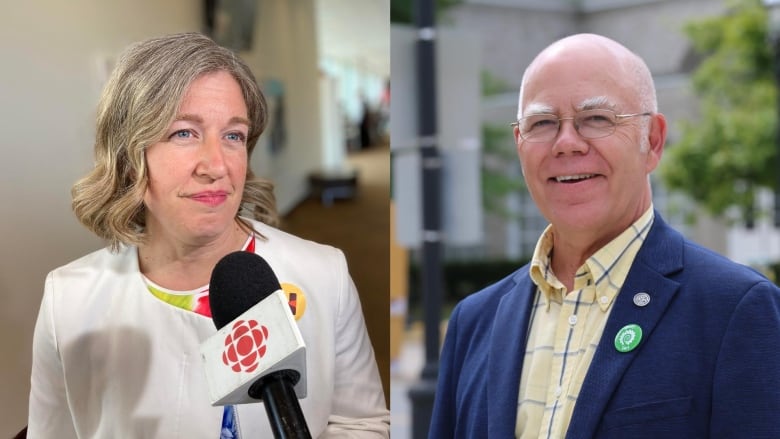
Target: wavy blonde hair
(137, 106)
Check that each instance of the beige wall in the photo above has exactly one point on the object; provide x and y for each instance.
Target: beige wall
(50, 79)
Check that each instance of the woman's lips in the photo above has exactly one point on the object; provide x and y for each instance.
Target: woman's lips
(211, 199)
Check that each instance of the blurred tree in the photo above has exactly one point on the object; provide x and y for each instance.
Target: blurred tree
(500, 169)
(402, 11)
(728, 152)
(500, 165)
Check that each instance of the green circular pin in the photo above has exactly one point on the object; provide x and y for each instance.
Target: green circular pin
(628, 338)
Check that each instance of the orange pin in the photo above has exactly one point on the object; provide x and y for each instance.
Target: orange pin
(295, 298)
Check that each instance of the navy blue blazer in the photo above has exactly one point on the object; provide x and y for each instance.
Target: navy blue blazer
(708, 364)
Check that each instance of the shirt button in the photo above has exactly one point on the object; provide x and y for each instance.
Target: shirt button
(603, 300)
(558, 391)
(572, 320)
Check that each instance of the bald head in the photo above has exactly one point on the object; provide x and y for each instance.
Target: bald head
(595, 58)
(587, 155)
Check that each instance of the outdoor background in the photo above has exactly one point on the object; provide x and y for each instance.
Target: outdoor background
(713, 65)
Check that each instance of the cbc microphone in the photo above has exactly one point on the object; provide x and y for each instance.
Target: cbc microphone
(258, 351)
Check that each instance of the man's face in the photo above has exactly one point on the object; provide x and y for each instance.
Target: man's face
(591, 186)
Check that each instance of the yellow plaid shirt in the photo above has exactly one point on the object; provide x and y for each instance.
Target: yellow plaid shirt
(566, 328)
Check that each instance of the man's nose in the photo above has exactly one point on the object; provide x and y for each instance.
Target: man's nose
(568, 139)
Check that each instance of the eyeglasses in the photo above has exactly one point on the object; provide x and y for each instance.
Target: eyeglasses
(590, 124)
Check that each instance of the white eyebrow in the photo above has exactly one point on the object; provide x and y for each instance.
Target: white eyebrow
(587, 104)
(595, 102)
(536, 108)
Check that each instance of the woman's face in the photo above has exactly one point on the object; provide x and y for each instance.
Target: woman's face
(198, 169)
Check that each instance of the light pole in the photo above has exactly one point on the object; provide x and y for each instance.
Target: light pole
(423, 392)
(773, 28)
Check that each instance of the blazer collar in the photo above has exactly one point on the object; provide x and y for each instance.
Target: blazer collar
(660, 255)
(506, 352)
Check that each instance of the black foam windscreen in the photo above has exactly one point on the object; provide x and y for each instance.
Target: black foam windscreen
(239, 281)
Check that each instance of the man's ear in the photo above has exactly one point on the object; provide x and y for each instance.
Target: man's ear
(656, 140)
(516, 131)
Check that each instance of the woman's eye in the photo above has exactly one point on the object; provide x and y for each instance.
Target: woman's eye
(236, 137)
(181, 134)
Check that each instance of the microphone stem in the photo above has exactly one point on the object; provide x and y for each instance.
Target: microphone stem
(281, 405)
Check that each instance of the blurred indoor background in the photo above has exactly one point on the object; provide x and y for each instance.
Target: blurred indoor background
(324, 65)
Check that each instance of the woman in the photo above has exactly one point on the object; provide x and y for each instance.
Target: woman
(116, 345)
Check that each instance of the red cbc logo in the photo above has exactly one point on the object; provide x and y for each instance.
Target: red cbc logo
(245, 346)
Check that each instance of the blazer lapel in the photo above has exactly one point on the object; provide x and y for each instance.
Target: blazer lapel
(660, 255)
(505, 355)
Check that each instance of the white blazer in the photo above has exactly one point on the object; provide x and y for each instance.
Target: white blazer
(110, 360)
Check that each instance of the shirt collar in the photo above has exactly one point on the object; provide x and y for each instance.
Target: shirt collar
(607, 268)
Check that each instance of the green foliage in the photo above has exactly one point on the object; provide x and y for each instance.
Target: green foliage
(500, 176)
(729, 152)
(498, 157)
(493, 85)
(402, 11)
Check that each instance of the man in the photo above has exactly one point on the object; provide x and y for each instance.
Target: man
(618, 327)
